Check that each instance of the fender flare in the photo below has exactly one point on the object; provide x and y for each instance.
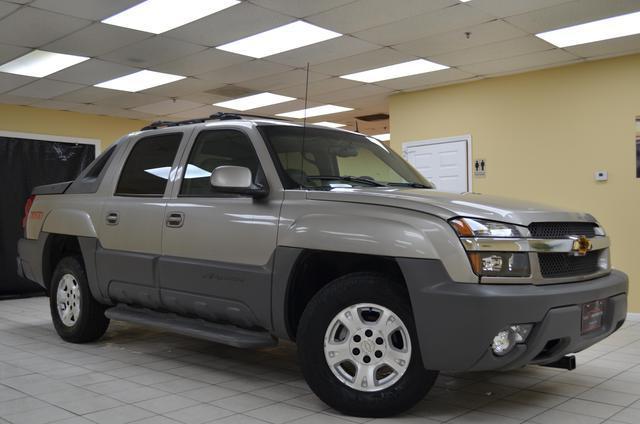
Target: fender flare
(71, 222)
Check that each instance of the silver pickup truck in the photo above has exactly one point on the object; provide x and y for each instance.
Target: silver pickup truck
(245, 230)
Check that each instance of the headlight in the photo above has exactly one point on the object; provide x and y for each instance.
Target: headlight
(470, 227)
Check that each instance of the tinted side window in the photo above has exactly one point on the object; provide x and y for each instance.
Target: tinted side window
(147, 168)
(98, 165)
(211, 150)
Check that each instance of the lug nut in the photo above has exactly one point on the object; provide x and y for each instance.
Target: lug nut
(356, 338)
(368, 333)
(379, 341)
(356, 351)
(378, 354)
(366, 359)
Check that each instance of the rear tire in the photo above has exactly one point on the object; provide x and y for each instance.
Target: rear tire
(335, 351)
(77, 316)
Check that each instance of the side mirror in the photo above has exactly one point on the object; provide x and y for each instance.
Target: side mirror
(236, 180)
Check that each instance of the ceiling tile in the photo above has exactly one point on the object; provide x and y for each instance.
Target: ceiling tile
(229, 25)
(92, 71)
(572, 13)
(341, 47)
(243, 72)
(8, 53)
(502, 8)
(45, 89)
(128, 100)
(167, 107)
(201, 62)
(55, 104)
(485, 33)
(181, 88)
(200, 112)
(132, 114)
(378, 102)
(369, 60)
(607, 48)
(425, 80)
(6, 8)
(29, 27)
(97, 39)
(319, 87)
(523, 62)
(420, 26)
(204, 97)
(298, 8)
(10, 82)
(493, 51)
(364, 90)
(363, 14)
(152, 51)
(17, 100)
(96, 10)
(85, 95)
(93, 109)
(283, 79)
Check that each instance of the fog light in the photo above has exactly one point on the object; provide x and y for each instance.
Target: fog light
(508, 338)
(603, 260)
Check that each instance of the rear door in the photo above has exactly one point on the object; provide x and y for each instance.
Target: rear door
(130, 226)
(217, 249)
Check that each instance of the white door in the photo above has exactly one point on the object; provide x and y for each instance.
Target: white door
(445, 162)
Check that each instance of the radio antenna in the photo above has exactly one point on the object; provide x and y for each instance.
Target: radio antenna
(304, 122)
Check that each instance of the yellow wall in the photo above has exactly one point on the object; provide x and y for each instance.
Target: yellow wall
(543, 135)
(61, 123)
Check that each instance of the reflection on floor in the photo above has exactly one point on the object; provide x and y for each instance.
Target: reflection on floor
(139, 375)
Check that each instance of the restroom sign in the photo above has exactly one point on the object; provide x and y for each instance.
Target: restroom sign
(479, 167)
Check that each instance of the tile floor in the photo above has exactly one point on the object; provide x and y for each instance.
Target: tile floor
(148, 377)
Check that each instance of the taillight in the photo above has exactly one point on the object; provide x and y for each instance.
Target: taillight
(27, 209)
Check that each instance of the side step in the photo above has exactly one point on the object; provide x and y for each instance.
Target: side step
(194, 327)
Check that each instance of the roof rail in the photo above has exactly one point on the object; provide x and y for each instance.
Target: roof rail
(220, 116)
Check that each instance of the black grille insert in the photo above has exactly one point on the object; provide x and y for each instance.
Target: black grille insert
(556, 265)
(557, 230)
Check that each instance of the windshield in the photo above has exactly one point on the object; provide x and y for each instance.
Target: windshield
(334, 159)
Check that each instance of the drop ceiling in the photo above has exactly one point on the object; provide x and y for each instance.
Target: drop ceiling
(476, 39)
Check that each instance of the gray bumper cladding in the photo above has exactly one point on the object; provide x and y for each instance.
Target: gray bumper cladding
(456, 322)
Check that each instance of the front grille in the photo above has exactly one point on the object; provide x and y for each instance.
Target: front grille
(557, 265)
(557, 230)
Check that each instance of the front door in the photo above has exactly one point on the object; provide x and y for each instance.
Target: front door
(443, 162)
(217, 249)
(130, 227)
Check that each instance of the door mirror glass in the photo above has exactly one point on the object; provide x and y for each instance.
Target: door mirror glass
(235, 179)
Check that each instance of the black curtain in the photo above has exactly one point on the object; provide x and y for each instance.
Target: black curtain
(25, 164)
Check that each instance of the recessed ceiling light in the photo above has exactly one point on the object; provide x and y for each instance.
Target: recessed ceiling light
(329, 124)
(382, 137)
(158, 16)
(138, 81)
(604, 29)
(315, 111)
(280, 39)
(254, 101)
(39, 63)
(414, 67)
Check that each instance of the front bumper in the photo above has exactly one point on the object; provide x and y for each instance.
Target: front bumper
(456, 322)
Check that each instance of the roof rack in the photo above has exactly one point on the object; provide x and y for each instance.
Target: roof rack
(220, 116)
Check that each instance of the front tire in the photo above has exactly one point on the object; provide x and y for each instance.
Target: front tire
(77, 316)
(358, 348)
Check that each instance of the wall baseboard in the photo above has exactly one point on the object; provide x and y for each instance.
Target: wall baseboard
(633, 316)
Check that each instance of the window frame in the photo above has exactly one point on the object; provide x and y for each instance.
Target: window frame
(127, 157)
(187, 157)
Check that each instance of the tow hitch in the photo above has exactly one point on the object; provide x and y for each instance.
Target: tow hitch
(566, 363)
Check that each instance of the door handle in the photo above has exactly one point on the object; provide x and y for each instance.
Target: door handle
(175, 219)
(113, 218)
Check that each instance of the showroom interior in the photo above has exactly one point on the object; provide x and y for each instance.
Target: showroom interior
(441, 194)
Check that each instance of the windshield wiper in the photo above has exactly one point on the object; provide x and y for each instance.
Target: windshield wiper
(346, 178)
(411, 184)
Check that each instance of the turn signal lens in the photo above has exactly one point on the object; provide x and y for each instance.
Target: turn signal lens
(469, 227)
(461, 227)
(27, 209)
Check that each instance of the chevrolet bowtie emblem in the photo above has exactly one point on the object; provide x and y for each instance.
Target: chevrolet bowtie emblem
(581, 246)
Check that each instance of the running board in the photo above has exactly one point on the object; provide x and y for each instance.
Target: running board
(193, 327)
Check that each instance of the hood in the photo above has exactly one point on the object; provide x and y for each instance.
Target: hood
(449, 205)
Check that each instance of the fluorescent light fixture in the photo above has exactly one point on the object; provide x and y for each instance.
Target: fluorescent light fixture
(140, 80)
(39, 63)
(158, 16)
(604, 29)
(464, 1)
(329, 124)
(414, 67)
(382, 137)
(280, 39)
(314, 111)
(254, 101)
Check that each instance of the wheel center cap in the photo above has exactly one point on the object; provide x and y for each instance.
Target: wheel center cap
(368, 346)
